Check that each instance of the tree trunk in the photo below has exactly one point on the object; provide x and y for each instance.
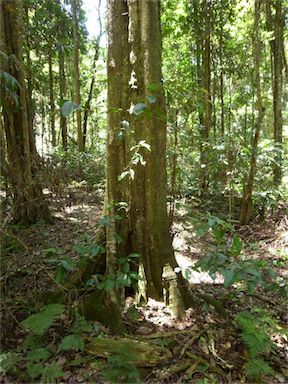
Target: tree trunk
(62, 80)
(51, 96)
(80, 141)
(246, 207)
(28, 201)
(205, 127)
(277, 88)
(144, 224)
(89, 98)
(222, 74)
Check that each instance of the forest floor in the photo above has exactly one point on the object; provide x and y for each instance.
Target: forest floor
(206, 347)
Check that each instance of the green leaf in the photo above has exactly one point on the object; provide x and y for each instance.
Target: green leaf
(107, 284)
(123, 175)
(40, 322)
(125, 124)
(8, 361)
(236, 246)
(71, 342)
(229, 276)
(67, 264)
(34, 370)
(126, 267)
(60, 275)
(139, 108)
(135, 276)
(256, 368)
(97, 250)
(50, 373)
(143, 144)
(81, 325)
(68, 107)
(131, 255)
(132, 173)
(38, 354)
(51, 251)
(152, 99)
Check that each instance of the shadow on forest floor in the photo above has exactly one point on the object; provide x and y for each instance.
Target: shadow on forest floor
(204, 346)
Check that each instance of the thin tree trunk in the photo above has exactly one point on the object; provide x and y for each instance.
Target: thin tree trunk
(62, 80)
(174, 169)
(75, 5)
(206, 85)
(246, 207)
(51, 96)
(222, 119)
(277, 89)
(89, 98)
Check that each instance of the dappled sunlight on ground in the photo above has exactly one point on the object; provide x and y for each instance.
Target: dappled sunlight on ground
(187, 253)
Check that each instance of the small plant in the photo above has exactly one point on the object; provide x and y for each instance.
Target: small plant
(124, 277)
(120, 369)
(35, 354)
(228, 260)
(255, 329)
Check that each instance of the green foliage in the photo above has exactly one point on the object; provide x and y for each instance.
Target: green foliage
(71, 342)
(120, 369)
(64, 266)
(9, 88)
(36, 355)
(137, 158)
(48, 373)
(229, 261)
(8, 362)
(123, 277)
(256, 368)
(255, 328)
(66, 167)
(40, 322)
(75, 341)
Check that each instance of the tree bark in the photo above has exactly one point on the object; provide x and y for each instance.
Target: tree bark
(89, 98)
(277, 88)
(62, 80)
(28, 200)
(144, 227)
(80, 141)
(246, 207)
(51, 96)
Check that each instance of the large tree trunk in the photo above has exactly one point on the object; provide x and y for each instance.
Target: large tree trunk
(145, 225)
(80, 141)
(28, 201)
(246, 207)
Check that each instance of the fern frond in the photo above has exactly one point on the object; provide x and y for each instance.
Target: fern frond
(256, 343)
(81, 325)
(8, 362)
(50, 373)
(256, 368)
(40, 322)
(72, 342)
(32, 342)
(38, 354)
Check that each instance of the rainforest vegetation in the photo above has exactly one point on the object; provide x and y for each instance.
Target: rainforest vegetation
(144, 189)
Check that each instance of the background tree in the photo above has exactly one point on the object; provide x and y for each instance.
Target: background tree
(28, 201)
